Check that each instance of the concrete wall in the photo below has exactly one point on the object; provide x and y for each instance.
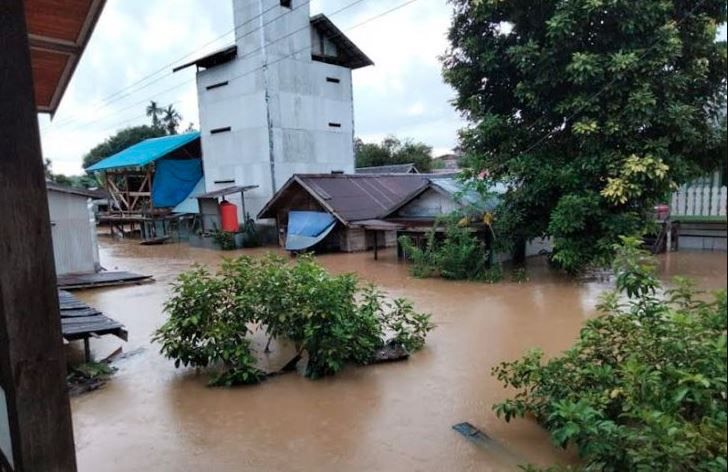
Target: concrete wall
(73, 228)
(279, 115)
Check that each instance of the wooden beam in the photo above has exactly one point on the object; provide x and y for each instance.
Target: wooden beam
(32, 359)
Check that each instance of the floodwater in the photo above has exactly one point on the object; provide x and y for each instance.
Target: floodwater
(153, 417)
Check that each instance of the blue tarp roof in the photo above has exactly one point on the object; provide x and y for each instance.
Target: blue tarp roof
(306, 228)
(144, 152)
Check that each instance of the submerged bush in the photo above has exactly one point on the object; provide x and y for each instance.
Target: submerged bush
(644, 387)
(458, 254)
(332, 319)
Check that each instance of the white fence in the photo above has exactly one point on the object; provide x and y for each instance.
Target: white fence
(699, 200)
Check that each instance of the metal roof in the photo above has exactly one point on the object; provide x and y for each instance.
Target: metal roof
(458, 191)
(216, 58)
(145, 152)
(226, 191)
(390, 169)
(349, 55)
(95, 194)
(350, 197)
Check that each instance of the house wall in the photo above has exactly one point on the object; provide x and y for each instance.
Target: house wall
(279, 116)
(73, 230)
(430, 204)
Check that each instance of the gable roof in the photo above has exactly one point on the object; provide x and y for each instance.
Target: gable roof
(221, 56)
(350, 197)
(144, 152)
(349, 55)
(390, 169)
(455, 189)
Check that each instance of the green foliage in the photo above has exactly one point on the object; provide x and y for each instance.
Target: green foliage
(644, 387)
(451, 251)
(393, 151)
(224, 239)
(76, 181)
(593, 110)
(90, 371)
(330, 318)
(120, 141)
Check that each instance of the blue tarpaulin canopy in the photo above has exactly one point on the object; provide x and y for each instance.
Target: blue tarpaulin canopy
(306, 228)
(145, 152)
(174, 180)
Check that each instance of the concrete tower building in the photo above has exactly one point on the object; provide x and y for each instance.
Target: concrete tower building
(279, 101)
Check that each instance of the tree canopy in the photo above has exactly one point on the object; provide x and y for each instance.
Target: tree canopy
(591, 109)
(392, 150)
(120, 141)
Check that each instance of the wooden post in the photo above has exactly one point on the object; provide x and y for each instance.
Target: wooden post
(32, 359)
(376, 245)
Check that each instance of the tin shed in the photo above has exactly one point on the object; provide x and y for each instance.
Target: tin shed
(73, 229)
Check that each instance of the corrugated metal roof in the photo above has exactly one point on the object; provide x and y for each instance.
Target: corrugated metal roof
(221, 56)
(351, 197)
(145, 152)
(95, 194)
(390, 169)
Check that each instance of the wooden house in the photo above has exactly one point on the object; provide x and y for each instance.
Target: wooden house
(338, 211)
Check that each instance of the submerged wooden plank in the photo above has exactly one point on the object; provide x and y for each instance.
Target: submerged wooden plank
(82, 321)
(478, 437)
(100, 279)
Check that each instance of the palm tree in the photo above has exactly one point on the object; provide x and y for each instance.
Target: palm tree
(171, 119)
(154, 111)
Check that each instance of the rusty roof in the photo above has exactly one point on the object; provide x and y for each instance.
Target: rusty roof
(351, 197)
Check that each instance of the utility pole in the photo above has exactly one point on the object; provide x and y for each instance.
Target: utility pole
(35, 417)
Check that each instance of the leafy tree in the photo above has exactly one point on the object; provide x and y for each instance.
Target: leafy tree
(120, 141)
(591, 109)
(393, 151)
(644, 386)
(78, 181)
(155, 112)
(329, 317)
(171, 119)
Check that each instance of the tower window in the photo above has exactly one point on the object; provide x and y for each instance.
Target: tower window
(286, 3)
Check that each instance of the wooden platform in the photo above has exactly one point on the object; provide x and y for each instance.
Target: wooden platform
(100, 279)
(81, 322)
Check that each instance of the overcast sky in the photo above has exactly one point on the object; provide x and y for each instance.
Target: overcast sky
(403, 94)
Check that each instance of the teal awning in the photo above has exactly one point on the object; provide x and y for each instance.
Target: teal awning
(145, 152)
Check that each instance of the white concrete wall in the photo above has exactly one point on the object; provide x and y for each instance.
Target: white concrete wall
(73, 230)
(279, 115)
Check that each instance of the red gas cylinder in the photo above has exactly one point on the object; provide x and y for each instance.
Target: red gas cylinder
(229, 217)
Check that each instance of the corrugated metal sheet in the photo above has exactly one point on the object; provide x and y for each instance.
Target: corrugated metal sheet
(73, 231)
(391, 169)
(362, 197)
(145, 152)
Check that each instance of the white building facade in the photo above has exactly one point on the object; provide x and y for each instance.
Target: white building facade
(277, 103)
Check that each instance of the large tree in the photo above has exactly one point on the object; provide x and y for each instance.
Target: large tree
(591, 109)
(392, 150)
(120, 141)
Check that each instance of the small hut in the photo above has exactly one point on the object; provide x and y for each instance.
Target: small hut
(326, 211)
(147, 180)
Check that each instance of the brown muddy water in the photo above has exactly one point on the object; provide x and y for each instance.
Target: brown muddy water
(153, 417)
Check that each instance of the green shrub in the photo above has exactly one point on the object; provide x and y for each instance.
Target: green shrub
(330, 318)
(644, 387)
(224, 239)
(457, 255)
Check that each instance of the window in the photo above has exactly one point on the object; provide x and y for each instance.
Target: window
(219, 130)
(335, 125)
(214, 86)
(333, 80)
(286, 3)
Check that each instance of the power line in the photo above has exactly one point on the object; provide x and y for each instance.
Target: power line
(115, 96)
(250, 53)
(369, 20)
